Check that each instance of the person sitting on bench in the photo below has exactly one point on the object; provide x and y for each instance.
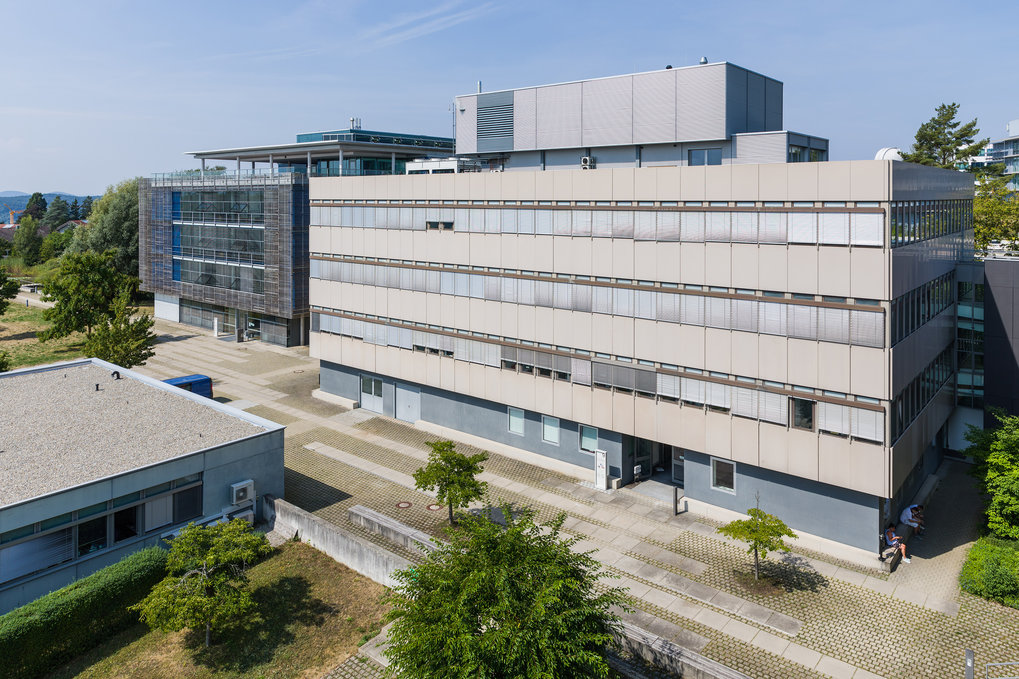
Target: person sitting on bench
(913, 516)
(895, 542)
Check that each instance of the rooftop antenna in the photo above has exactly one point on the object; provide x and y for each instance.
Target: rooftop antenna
(704, 60)
(479, 87)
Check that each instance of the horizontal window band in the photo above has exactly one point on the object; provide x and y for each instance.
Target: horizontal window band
(703, 377)
(619, 208)
(605, 284)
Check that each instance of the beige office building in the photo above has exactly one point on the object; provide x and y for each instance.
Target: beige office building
(650, 265)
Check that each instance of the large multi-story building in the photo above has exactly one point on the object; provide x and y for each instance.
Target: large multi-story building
(228, 249)
(1004, 152)
(648, 271)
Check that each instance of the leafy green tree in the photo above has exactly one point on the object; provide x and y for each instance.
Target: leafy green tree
(113, 225)
(86, 208)
(452, 475)
(8, 290)
(5, 361)
(207, 569)
(123, 340)
(27, 241)
(54, 244)
(36, 206)
(944, 141)
(996, 453)
(762, 533)
(503, 602)
(5, 247)
(84, 289)
(995, 210)
(57, 213)
(74, 209)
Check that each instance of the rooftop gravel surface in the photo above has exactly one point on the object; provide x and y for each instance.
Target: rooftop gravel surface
(57, 431)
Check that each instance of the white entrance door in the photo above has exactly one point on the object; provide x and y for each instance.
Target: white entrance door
(408, 403)
(371, 394)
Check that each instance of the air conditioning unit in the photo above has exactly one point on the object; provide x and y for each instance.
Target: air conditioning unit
(248, 516)
(587, 163)
(243, 491)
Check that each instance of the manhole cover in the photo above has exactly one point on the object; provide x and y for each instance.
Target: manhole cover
(434, 508)
(403, 505)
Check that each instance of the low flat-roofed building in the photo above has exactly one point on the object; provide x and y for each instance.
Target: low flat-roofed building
(98, 461)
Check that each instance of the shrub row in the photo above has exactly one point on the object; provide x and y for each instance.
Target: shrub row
(991, 570)
(55, 628)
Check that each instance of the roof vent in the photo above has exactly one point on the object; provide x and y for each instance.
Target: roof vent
(704, 60)
(97, 386)
(115, 374)
(668, 67)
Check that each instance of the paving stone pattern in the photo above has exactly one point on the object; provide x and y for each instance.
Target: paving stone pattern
(851, 622)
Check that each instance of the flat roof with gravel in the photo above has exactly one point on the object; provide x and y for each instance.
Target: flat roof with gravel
(57, 431)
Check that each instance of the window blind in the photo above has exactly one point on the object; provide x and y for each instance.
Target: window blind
(802, 227)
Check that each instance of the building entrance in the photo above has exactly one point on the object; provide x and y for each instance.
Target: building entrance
(371, 394)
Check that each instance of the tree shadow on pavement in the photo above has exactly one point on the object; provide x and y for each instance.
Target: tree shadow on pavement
(793, 574)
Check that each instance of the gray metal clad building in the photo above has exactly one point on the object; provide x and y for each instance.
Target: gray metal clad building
(96, 466)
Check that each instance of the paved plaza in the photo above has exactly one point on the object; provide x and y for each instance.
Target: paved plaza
(829, 619)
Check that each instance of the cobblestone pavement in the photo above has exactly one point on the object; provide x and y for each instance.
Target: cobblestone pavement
(851, 623)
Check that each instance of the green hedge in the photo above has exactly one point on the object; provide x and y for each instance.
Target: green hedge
(55, 628)
(991, 571)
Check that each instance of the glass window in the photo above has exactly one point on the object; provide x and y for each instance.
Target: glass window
(187, 504)
(516, 421)
(723, 475)
(125, 524)
(704, 156)
(91, 536)
(803, 413)
(697, 157)
(550, 429)
(588, 438)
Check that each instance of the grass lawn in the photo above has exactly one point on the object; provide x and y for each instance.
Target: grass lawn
(17, 335)
(312, 614)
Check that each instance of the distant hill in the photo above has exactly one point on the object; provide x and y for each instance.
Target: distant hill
(18, 200)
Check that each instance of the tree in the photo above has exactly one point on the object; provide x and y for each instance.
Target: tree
(84, 289)
(995, 210)
(86, 208)
(27, 241)
(122, 340)
(762, 533)
(36, 206)
(207, 568)
(54, 244)
(452, 475)
(943, 141)
(56, 214)
(503, 602)
(996, 455)
(113, 225)
(74, 210)
(5, 361)
(8, 290)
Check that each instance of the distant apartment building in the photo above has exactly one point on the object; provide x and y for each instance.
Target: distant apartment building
(649, 269)
(1003, 152)
(228, 248)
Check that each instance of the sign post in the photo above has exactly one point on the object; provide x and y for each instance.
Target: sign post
(601, 476)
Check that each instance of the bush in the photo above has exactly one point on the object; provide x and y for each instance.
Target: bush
(55, 628)
(991, 571)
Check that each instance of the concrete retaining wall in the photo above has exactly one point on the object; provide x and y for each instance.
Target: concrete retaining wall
(353, 551)
(390, 528)
(663, 654)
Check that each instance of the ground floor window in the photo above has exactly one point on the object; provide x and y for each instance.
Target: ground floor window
(516, 421)
(588, 438)
(550, 429)
(723, 475)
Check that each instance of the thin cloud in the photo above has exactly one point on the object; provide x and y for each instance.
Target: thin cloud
(414, 26)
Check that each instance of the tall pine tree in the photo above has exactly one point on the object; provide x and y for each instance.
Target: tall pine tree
(74, 209)
(86, 208)
(943, 141)
(56, 214)
(36, 207)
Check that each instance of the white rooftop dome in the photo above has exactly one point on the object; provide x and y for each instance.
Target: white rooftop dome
(888, 153)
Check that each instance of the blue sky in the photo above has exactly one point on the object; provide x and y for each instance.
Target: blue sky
(95, 92)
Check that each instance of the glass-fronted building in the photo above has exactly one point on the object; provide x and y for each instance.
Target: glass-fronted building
(227, 250)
